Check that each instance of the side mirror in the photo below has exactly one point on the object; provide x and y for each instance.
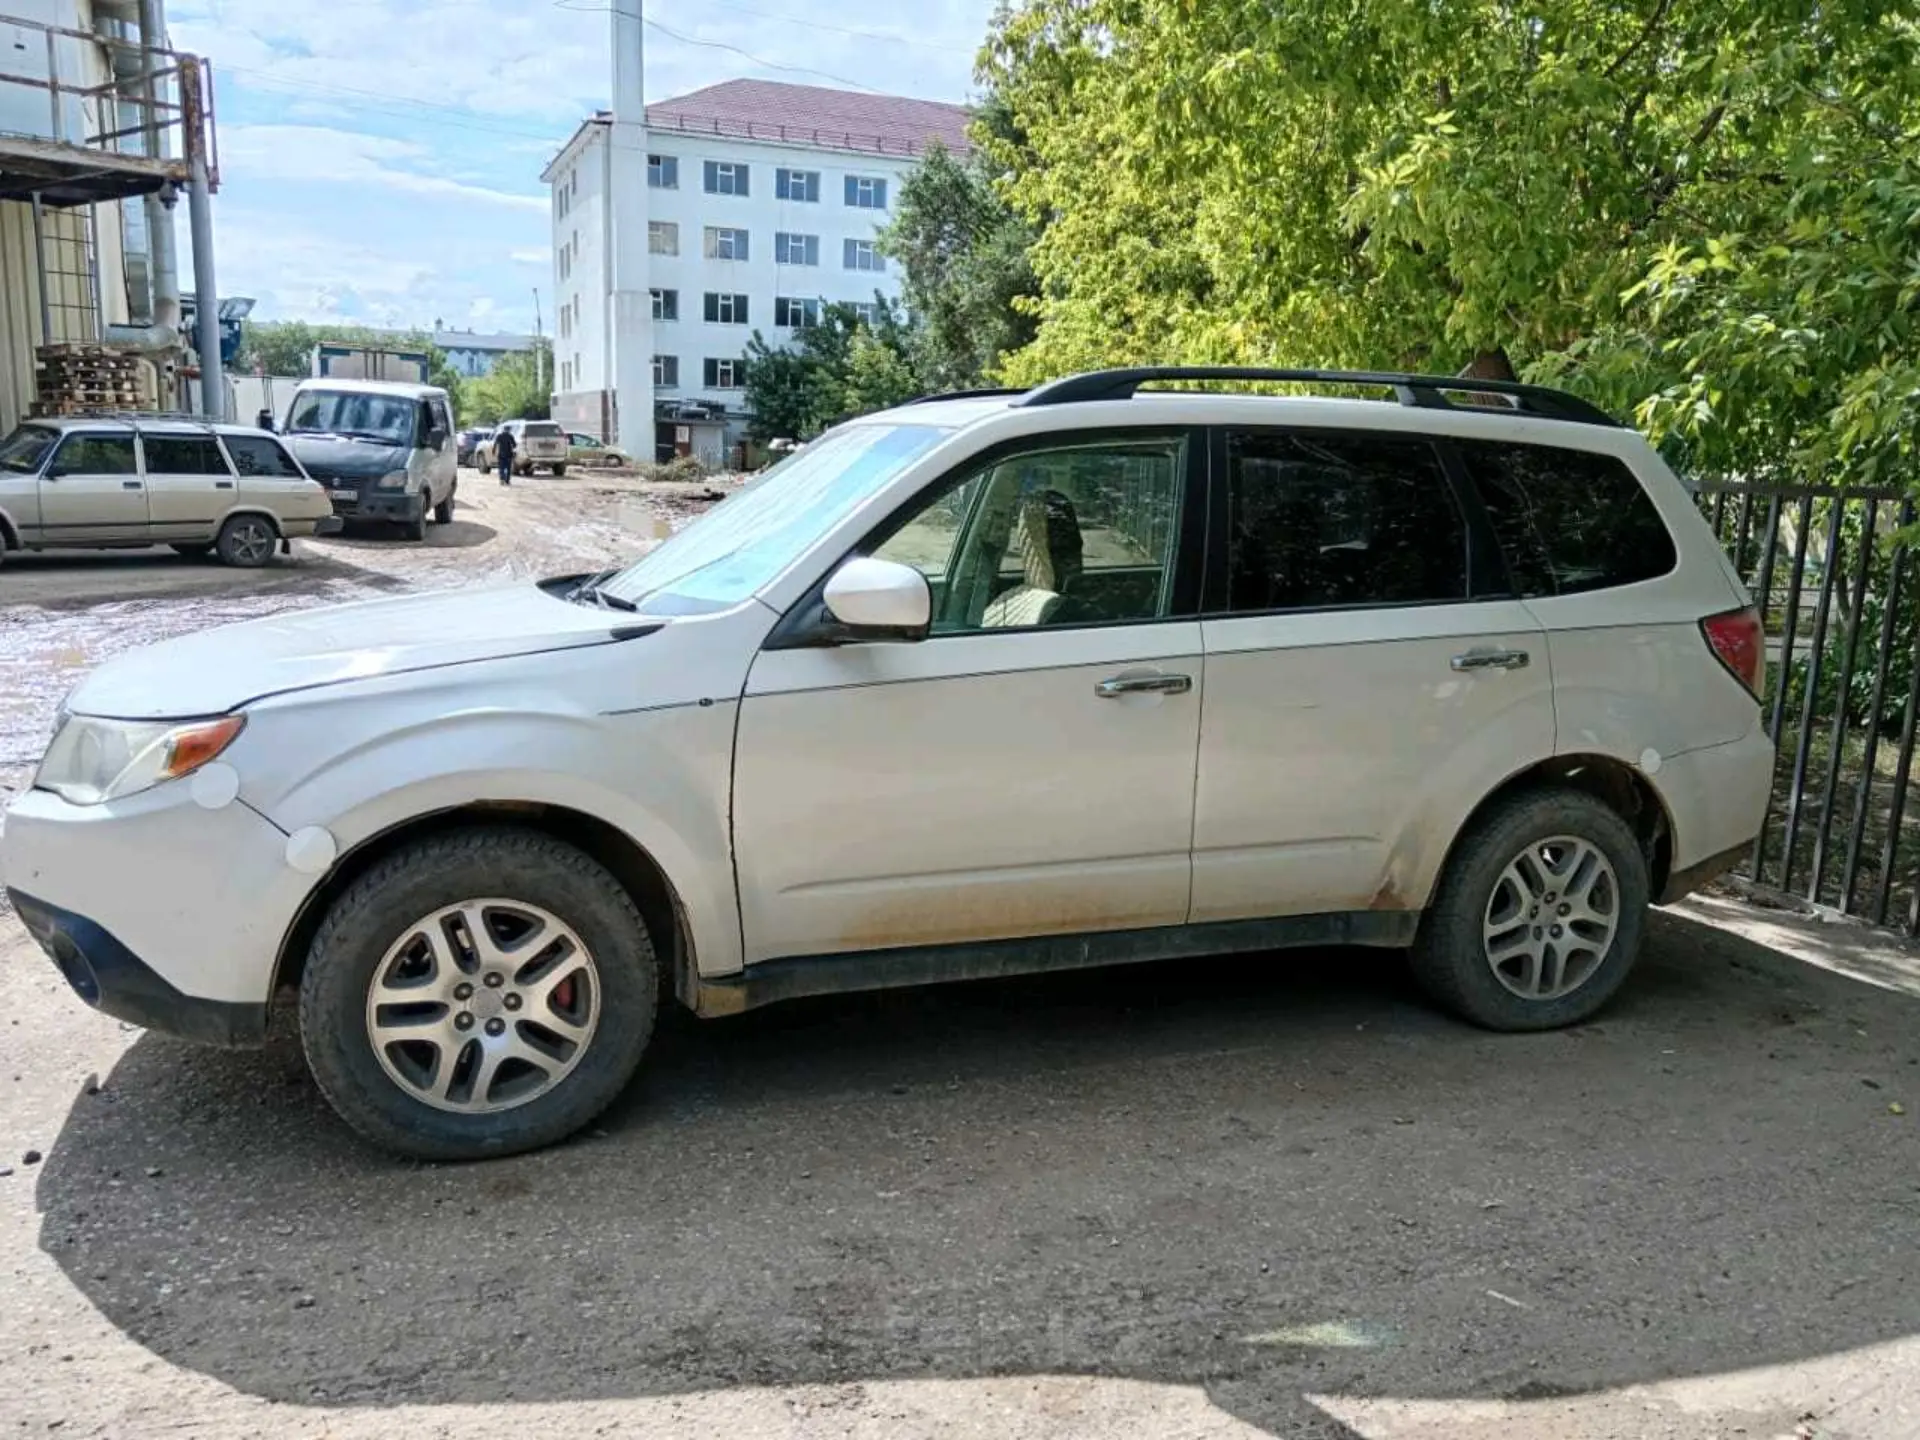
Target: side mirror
(264, 420)
(436, 438)
(879, 600)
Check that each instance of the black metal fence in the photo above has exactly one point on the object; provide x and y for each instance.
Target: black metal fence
(1840, 603)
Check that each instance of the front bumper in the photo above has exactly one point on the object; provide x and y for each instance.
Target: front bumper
(157, 910)
(115, 981)
(355, 503)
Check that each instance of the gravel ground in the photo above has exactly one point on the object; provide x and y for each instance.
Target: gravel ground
(1270, 1195)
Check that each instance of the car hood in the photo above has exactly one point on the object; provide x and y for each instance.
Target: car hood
(219, 670)
(337, 457)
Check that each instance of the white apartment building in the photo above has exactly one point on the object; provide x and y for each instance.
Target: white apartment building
(763, 204)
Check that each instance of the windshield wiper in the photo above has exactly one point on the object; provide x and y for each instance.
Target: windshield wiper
(588, 592)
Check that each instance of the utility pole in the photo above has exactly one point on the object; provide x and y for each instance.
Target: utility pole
(539, 356)
(206, 294)
(630, 311)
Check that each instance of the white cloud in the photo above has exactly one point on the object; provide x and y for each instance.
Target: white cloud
(531, 257)
(323, 153)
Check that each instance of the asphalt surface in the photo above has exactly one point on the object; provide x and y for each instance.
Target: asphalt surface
(1268, 1195)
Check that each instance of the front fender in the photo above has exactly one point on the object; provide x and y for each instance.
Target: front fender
(659, 777)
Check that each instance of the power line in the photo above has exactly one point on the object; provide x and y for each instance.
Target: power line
(673, 34)
(880, 35)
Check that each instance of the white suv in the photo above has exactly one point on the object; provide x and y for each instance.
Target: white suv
(977, 686)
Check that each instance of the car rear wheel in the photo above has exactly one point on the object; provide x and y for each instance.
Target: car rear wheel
(1539, 914)
(482, 992)
(559, 470)
(247, 541)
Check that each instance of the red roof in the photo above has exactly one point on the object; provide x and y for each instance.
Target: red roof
(814, 115)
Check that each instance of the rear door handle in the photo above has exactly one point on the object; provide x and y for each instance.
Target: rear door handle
(129, 484)
(1491, 660)
(1143, 685)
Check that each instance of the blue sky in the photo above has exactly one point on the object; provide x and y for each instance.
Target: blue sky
(380, 159)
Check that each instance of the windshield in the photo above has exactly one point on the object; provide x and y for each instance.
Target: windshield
(25, 448)
(344, 412)
(742, 543)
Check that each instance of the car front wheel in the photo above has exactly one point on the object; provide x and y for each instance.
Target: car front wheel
(480, 993)
(1539, 913)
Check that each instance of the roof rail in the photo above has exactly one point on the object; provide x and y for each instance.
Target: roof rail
(1424, 391)
(135, 418)
(988, 393)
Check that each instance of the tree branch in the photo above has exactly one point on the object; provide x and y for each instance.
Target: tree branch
(1647, 32)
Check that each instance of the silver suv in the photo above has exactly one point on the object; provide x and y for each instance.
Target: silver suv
(106, 481)
(982, 685)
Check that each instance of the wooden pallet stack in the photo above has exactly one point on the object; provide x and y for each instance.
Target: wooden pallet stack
(76, 378)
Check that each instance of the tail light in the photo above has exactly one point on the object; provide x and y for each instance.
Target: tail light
(1740, 644)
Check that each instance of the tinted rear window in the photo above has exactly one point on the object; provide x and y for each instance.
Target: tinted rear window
(544, 432)
(1568, 520)
(257, 455)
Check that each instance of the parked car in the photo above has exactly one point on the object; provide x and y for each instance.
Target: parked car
(384, 449)
(467, 445)
(537, 444)
(970, 687)
(230, 490)
(585, 450)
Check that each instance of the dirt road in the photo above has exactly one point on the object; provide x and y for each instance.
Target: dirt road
(1274, 1195)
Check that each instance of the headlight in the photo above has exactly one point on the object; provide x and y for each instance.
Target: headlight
(93, 761)
(393, 480)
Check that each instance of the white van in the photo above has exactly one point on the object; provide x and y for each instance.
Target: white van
(383, 449)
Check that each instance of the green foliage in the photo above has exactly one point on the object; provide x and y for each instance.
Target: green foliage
(518, 388)
(1702, 212)
(835, 369)
(963, 252)
(285, 347)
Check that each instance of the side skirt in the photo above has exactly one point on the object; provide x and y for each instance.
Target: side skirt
(836, 974)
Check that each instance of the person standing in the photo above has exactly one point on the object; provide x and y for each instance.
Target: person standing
(504, 445)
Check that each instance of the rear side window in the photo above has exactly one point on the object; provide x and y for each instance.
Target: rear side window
(183, 455)
(1319, 521)
(257, 455)
(1568, 520)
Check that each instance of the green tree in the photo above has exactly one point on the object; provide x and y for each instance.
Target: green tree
(1696, 210)
(963, 252)
(517, 388)
(838, 367)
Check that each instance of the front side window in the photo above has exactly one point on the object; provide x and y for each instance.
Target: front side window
(387, 418)
(23, 450)
(723, 243)
(183, 455)
(726, 177)
(94, 455)
(801, 185)
(1567, 520)
(1074, 535)
(866, 192)
(256, 455)
(1322, 521)
(663, 172)
(663, 237)
(726, 309)
(863, 255)
(725, 374)
(736, 548)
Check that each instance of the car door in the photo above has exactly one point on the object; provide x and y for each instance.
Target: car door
(269, 477)
(189, 487)
(1025, 770)
(1370, 677)
(91, 491)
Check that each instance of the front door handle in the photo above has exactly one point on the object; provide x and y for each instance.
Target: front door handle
(129, 484)
(1143, 685)
(1491, 660)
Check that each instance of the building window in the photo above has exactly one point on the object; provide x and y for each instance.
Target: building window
(560, 201)
(566, 375)
(725, 374)
(726, 177)
(865, 192)
(726, 309)
(666, 372)
(793, 313)
(573, 184)
(663, 172)
(725, 244)
(663, 237)
(863, 255)
(797, 185)
(866, 312)
(796, 249)
(566, 262)
(666, 304)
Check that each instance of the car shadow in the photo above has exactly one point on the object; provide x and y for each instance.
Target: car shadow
(1268, 1176)
(456, 534)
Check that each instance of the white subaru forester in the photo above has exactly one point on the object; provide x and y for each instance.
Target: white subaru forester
(981, 685)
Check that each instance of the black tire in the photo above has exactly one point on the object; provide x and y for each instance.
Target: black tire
(415, 527)
(1450, 958)
(443, 512)
(247, 541)
(493, 862)
(558, 471)
(198, 550)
